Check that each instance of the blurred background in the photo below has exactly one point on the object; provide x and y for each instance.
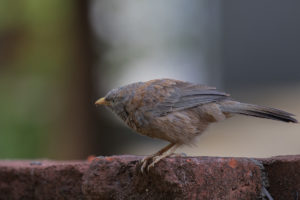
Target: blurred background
(58, 57)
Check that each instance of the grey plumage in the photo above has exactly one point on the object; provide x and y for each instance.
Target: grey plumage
(178, 111)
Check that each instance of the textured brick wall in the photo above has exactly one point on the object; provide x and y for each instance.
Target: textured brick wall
(119, 177)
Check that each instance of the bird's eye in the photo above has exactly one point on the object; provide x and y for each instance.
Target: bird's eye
(113, 100)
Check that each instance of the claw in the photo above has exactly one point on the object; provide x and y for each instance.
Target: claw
(144, 159)
(144, 162)
(149, 166)
(155, 159)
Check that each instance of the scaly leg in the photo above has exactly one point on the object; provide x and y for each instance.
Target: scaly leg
(166, 154)
(145, 160)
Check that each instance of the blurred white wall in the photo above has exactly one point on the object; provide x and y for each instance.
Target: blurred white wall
(158, 39)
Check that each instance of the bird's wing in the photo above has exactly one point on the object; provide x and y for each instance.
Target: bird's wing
(178, 95)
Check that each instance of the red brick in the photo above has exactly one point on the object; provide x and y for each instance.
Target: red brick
(119, 177)
(284, 176)
(41, 179)
(173, 178)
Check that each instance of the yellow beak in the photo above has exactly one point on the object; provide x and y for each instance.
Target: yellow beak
(102, 101)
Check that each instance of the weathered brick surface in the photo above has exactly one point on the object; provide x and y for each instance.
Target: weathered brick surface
(173, 178)
(284, 176)
(119, 177)
(41, 179)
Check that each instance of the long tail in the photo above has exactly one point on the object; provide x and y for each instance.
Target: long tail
(257, 111)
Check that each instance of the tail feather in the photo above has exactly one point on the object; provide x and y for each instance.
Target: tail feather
(258, 111)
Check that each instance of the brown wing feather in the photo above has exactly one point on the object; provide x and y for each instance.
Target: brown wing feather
(167, 95)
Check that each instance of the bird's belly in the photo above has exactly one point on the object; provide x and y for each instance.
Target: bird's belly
(178, 127)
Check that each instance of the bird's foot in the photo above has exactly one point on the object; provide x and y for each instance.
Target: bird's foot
(149, 162)
(145, 162)
(155, 158)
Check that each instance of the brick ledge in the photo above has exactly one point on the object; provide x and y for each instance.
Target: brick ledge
(119, 177)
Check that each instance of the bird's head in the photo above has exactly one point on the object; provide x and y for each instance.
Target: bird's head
(119, 99)
(112, 99)
(116, 100)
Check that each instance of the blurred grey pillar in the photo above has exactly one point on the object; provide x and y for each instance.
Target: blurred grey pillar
(158, 39)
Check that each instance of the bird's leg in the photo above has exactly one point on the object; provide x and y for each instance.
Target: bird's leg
(163, 155)
(166, 148)
(145, 160)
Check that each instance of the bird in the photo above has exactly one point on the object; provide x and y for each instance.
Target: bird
(177, 111)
